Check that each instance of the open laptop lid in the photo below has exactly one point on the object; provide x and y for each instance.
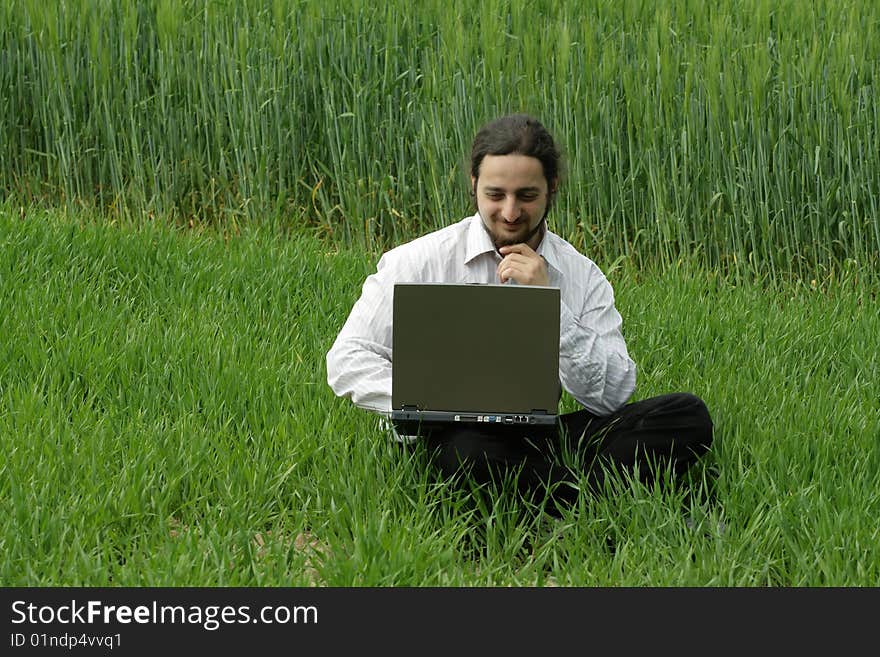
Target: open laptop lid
(475, 353)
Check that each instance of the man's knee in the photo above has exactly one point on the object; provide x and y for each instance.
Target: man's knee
(700, 419)
(682, 415)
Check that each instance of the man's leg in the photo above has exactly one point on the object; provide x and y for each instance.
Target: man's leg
(673, 429)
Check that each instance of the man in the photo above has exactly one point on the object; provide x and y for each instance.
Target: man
(514, 178)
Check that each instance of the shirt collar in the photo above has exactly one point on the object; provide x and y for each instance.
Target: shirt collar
(478, 241)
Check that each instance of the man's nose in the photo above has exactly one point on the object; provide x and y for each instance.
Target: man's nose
(511, 210)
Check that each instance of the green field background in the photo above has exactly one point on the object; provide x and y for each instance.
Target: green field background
(191, 194)
(741, 130)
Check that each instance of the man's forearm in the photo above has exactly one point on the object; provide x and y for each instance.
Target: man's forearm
(361, 371)
(595, 368)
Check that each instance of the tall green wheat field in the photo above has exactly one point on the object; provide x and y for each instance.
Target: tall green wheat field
(191, 194)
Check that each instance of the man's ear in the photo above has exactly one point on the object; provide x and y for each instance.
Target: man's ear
(551, 195)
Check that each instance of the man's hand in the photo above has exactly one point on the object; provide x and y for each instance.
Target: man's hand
(523, 265)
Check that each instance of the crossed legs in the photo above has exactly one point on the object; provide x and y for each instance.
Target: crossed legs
(673, 429)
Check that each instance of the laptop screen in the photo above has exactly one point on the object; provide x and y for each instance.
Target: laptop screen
(476, 348)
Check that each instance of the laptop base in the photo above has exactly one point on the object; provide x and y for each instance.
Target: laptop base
(413, 422)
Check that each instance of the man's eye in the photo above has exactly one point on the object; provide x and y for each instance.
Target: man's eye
(528, 197)
(495, 196)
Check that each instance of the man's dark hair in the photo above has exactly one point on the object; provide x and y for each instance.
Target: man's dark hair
(518, 134)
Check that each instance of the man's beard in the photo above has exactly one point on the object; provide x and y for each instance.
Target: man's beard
(510, 241)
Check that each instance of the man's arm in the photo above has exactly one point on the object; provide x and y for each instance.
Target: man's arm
(359, 362)
(594, 365)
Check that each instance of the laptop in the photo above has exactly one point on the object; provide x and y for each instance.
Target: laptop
(473, 354)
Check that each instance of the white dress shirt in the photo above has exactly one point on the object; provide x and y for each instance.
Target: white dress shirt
(594, 366)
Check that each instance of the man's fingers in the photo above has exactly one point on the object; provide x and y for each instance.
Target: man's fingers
(523, 249)
(526, 271)
(517, 261)
(507, 268)
(514, 259)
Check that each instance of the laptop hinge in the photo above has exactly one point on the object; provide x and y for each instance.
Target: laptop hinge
(410, 408)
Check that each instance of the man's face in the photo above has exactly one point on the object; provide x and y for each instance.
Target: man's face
(512, 197)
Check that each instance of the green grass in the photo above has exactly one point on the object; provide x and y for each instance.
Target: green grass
(741, 130)
(164, 420)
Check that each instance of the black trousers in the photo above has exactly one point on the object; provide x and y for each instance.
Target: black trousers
(671, 430)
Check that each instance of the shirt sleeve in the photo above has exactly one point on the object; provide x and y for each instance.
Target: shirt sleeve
(359, 362)
(594, 365)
